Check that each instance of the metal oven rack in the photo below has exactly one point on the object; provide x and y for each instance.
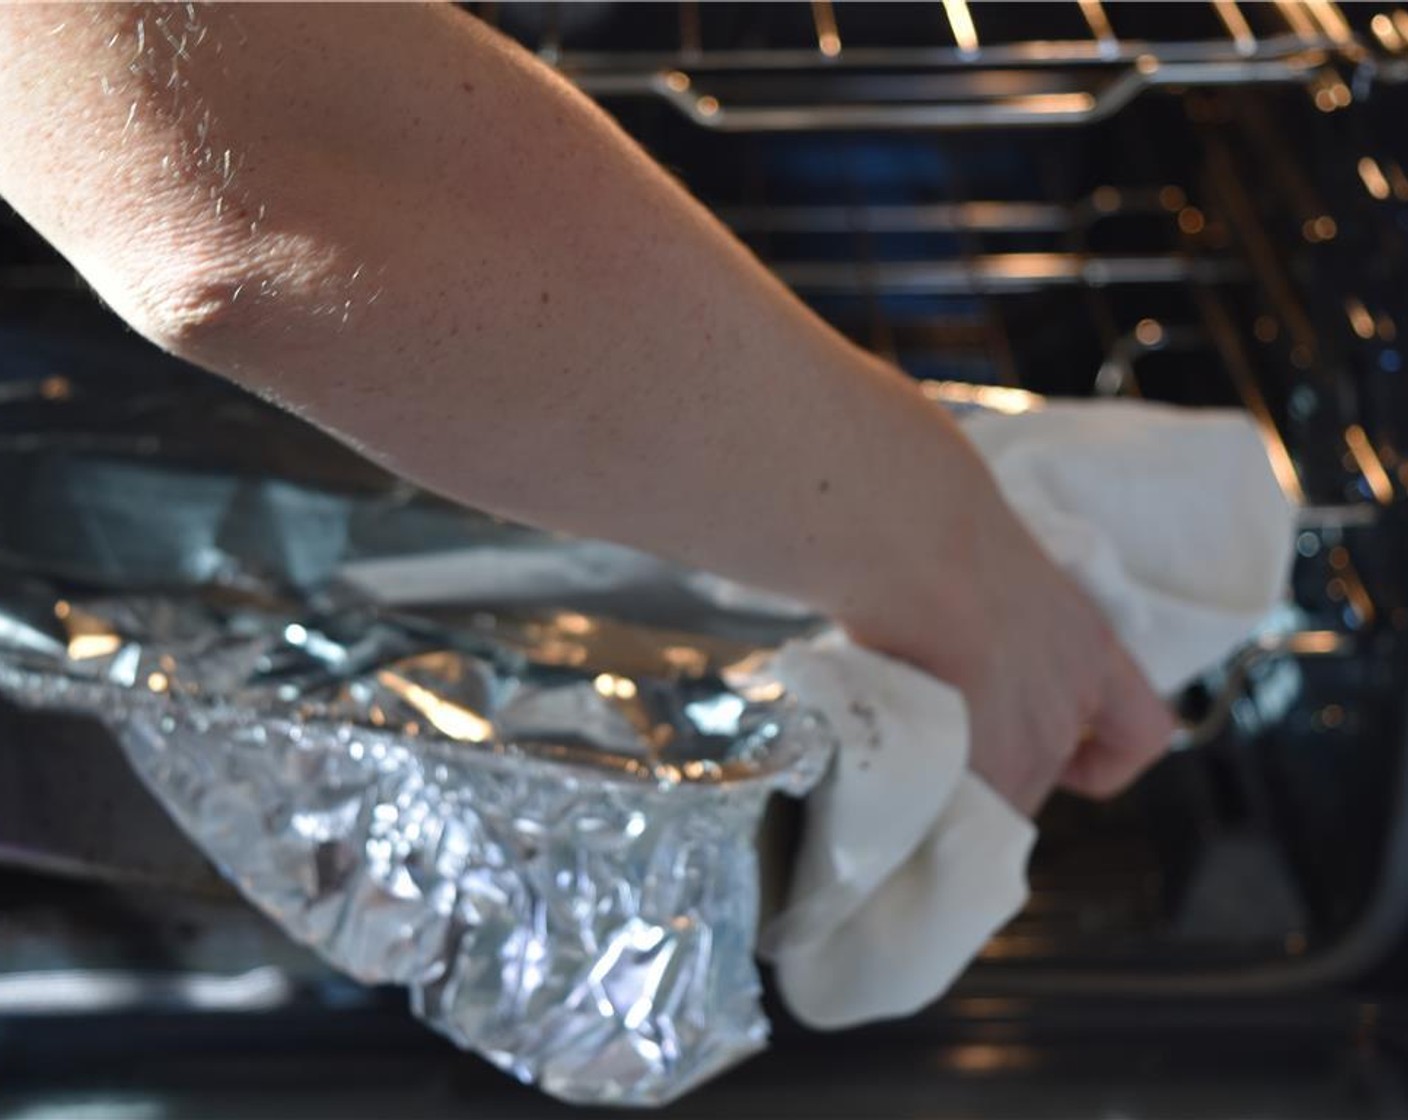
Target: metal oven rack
(1199, 203)
(1178, 204)
(781, 67)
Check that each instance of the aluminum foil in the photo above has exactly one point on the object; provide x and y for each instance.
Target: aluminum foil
(543, 828)
(531, 804)
(518, 774)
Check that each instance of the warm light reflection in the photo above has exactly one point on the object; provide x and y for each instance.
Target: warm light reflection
(1332, 94)
(1282, 465)
(1094, 13)
(1050, 103)
(986, 215)
(570, 622)
(707, 106)
(1106, 199)
(1146, 64)
(1369, 464)
(90, 636)
(1322, 228)
(1304, 61)
(1387, 33)
(56, 388)
(158, 682)
(1359, 317)
(999, 398)
(987, 1058)
(1315, 641)
(763, 692)
(1400, 21)
(1190, 220)
(828, 39)
(684, 659)
(965, 34)
(1375, 182)
(82, 647)
(454, 720)
(1016, 946)
(609, 684)
(1332, 20)
(559, 651)
(1149, 332)
(1236, 25)
(1299, 21)
(677, 80)
(1029, 266)
(1172, 197)
(1359, 600)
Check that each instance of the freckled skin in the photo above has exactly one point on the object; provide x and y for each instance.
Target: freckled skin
(411, 232)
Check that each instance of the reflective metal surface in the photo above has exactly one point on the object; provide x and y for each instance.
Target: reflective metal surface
(976, 67)
(556, 859)
(1266, 222)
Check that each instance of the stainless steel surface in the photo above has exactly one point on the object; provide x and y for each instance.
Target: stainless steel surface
(961, 77)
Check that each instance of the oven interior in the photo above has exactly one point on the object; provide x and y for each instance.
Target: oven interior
(1204, 204)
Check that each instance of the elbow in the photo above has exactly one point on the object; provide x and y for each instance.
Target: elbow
(221, 318)
(181, 300)
(227, 310)
(198, 320)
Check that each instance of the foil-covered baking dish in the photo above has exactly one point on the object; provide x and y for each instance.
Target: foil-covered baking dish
(533, 805)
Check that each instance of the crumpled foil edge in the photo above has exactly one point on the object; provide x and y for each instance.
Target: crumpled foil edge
(587, 932)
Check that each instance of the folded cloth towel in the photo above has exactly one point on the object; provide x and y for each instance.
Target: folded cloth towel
(1173, 522)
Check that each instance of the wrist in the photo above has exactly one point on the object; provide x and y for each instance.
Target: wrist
(947, 557)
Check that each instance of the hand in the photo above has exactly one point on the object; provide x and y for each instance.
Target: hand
(1059, 701)
(1053, 698)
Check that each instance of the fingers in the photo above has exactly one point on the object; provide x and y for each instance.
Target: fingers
(1129, 734)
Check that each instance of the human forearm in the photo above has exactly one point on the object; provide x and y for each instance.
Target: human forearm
(409, 231)
(402, 227)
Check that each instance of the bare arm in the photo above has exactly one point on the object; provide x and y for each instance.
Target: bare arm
(405, 228)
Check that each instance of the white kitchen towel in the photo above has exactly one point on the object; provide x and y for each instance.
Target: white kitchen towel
(1174, 523)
